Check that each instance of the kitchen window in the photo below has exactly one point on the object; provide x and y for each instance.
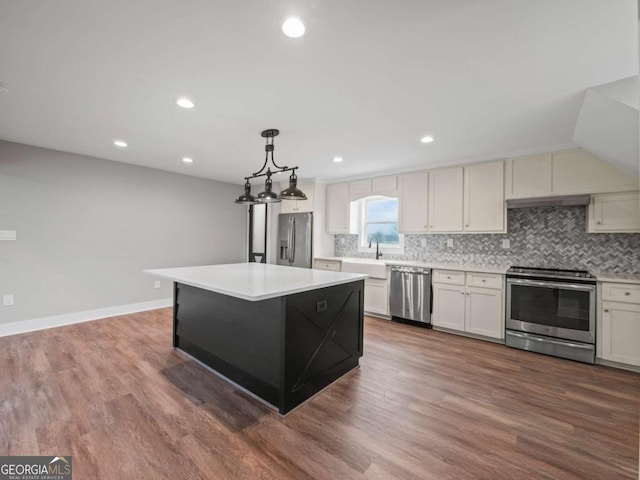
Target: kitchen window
(378, 217)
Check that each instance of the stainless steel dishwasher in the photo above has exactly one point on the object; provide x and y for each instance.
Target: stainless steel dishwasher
(410, 294)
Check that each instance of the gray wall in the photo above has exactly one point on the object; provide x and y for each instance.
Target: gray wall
(553, 237)
(87, 227)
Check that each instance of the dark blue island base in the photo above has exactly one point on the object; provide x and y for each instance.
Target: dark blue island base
(284, 350)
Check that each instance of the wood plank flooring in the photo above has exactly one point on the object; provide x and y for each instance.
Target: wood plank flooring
(423, 405)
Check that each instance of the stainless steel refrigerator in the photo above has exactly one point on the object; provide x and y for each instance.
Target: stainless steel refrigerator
(295, 233)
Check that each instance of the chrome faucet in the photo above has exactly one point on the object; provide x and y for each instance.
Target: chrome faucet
(378, 252)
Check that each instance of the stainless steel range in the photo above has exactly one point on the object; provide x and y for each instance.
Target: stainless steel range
(552, 312)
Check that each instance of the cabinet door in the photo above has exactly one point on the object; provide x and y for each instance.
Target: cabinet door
(615, 212)
(383, 185)
(359, 189)
(445, 200)
(484, 206)
(376, 296)
(620, 332)
(305, 205)
(288, 206)
(337, 203)
(528, 177)
(575, 171)
(448, 306)
(484, 312)
(412, 207)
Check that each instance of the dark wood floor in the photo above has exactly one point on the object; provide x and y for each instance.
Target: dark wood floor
(423, 405)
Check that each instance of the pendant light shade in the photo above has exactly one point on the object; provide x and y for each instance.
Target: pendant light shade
(293, 192)
(246, 198)
(269, 196)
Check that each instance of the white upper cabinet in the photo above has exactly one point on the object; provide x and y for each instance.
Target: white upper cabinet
(383, 185)
(575, 171)
(564, 173)
(445, 200)
(614, 212)
(528, 177)
(298, 206)
(373, 186)
(337, 204)
(412, 206)
(359, 189)
(484, 206)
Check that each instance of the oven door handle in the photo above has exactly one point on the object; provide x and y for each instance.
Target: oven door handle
(566, 286)
(524, 336)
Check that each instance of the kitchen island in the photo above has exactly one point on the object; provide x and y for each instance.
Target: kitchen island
(281, 333)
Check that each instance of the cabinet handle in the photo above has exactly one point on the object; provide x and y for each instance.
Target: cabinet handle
(606, 310)
(484, 280)
(461, 293)
(466, 225)
(430, 226)
(467, 293)
(627, 293)
(598, 222)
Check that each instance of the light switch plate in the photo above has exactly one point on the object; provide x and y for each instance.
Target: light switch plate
(156, 284)
(506, 243)
(423, 242)
(449, 242)
(7, 235)
(7, 300)
(342, 241)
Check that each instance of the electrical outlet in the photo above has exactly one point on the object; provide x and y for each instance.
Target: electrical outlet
(8, 235)
(156, 284)
(342, 241)
(450, 242)
(506, 243)
(7, 300)
(423, 242)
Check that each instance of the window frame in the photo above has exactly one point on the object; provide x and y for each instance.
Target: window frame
(363, 242)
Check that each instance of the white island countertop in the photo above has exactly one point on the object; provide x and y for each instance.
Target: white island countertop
(255, 281)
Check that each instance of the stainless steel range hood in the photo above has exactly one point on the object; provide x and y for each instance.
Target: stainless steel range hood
(562, 201)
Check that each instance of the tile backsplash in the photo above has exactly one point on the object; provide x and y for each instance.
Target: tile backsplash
(552, 237)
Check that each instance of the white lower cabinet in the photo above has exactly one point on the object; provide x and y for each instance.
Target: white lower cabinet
(330, 265)
(484, 312)
(376, 296)
(448, 306)
(620, 323)
(470, 309)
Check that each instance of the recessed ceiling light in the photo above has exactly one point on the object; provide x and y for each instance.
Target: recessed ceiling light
(427, 139)
(293, 27)
(337, 159)
(184, 102)
(120, 143)
(187, 160)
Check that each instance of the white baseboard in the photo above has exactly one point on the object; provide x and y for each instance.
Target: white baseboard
(25, 326)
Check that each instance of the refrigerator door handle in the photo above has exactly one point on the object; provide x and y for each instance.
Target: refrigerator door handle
(308, 249)
(289, 242)
(293, 240)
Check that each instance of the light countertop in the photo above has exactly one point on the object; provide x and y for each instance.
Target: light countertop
(417, 263)
(255, 281)
(618, 277)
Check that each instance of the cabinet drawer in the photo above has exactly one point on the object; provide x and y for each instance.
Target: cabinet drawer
(487, 280)
(621, 292)
(448, 276)
(327, 265)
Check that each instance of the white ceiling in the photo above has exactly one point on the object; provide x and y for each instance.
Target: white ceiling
(487, 78)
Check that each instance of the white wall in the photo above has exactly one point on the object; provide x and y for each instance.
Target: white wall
(87, 227)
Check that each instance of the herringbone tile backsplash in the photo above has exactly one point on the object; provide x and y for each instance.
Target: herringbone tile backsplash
(552, 237)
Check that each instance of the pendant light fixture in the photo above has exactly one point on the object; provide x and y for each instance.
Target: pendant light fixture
(268, 195)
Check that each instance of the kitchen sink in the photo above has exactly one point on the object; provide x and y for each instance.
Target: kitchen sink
(373, 268)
